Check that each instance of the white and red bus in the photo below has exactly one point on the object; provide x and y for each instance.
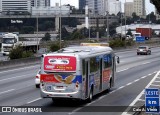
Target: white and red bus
(78, 72)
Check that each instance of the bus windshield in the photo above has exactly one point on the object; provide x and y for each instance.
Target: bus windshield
(8, 40)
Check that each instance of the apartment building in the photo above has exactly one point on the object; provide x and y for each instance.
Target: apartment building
(129, 8)
(139, 7)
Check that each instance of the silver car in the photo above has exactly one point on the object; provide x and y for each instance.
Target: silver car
(144, 50)
(37, 79)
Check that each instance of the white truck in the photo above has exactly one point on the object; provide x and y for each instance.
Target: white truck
(10, 40)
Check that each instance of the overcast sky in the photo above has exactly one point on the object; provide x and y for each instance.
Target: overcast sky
(149, 6)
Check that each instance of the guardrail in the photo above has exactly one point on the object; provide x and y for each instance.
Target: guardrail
(19, 63)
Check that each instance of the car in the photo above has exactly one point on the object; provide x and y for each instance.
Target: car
(144, 50)
(37, 79)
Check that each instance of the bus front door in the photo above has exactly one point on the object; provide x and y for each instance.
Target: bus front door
(87, 78)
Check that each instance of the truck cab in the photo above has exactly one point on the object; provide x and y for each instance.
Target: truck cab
(8, 42)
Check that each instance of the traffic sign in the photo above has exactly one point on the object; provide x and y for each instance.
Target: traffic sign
(152, 100)
(140, 38)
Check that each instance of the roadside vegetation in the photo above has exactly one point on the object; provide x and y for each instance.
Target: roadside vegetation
(18, 52)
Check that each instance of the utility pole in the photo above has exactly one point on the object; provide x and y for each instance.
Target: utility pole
(125, 23)
(60, 24)
(107, 13)
(37, 34)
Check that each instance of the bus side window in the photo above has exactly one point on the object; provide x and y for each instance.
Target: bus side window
(107, 61)
(83, 67)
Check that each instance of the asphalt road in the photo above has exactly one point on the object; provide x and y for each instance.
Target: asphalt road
(134, 72)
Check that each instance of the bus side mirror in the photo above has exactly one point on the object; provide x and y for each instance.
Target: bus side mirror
(118, 60)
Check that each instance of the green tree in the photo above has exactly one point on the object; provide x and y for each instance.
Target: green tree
(135, 17)
(129, 32)
(27, 30)
(151, 17)
(47, 37)
(16, 53)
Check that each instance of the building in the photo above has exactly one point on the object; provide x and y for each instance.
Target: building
(63, 10)
(115, 7)
(128, 8)
(38, 3)
(82, 4)
(20, 6)
(139, 8)
(15, 6)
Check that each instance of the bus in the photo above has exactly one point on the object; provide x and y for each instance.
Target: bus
(77, 72)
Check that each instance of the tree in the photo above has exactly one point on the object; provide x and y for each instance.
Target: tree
(129, 32)
(47, 37)
(135, 17)
(151, 17)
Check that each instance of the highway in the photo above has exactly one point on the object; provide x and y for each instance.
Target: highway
(134, 73)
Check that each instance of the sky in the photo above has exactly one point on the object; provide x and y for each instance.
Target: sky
(149, 6)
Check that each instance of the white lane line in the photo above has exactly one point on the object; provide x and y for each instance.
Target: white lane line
(155, 85)
(146, 63)
(130, 83)
(33, 100)
(144, 77)
(19, 69)
(74, 111)
(7, 91)
(138, 97)
(141, 100)
(14, 77)
(157, 81)
(123, 70)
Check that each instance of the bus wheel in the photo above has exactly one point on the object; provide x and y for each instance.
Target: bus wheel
(109, 85)
(90, 96)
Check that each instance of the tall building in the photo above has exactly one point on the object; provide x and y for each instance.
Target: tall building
(116, 7)
(128, 8)
(82, 4)
(139, 7)
(13, 6)
(38, 3)
(99, 6)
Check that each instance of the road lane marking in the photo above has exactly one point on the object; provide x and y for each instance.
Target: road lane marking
(130, 83)
(123, 70)
(142, 92)
(7, 91)
(146, 63)
(155, 85)
(33, 100)
(19, 69)
(14, 77)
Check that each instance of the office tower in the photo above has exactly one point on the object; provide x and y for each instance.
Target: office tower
(139, 7)
(82, 4)
(128, 8)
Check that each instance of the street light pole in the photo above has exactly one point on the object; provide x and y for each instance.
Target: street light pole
(125, 23)
(37, 34)
(60, 23)
(107, 13)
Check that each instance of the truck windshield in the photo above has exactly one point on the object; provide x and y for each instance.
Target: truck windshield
(8, 40)
(137, 34)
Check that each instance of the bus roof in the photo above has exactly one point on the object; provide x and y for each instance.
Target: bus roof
(83, 51)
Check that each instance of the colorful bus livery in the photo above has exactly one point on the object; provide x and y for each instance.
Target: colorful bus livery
(59, 63)
(78, 72)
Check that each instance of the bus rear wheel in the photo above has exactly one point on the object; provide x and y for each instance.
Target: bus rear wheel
(90, 96)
